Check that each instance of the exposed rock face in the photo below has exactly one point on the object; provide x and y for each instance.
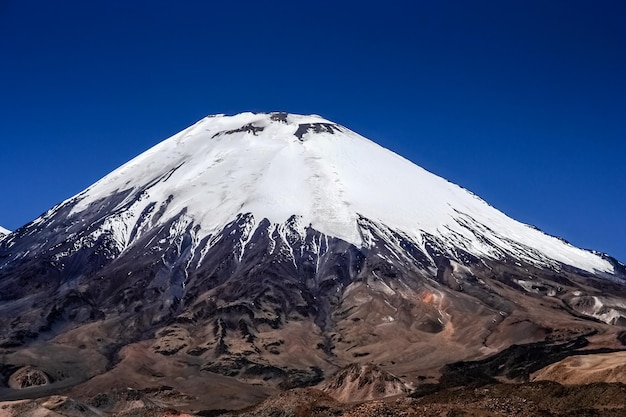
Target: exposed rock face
(363, 382)
(28, 377)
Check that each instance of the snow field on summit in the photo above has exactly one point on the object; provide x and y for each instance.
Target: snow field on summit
(223, 166)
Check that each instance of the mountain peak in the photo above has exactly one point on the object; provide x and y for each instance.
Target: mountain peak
(265, 165)
(255, 123)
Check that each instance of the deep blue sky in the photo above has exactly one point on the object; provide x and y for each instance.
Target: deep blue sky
(522, 102)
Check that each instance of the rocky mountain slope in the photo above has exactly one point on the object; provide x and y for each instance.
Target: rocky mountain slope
(261, 252)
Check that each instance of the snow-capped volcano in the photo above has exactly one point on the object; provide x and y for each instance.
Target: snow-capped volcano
(274, 166)
(273, 249)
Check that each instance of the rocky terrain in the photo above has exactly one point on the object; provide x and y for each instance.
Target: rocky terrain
(547, 399)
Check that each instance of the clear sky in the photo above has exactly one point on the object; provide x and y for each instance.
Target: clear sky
(521, 102)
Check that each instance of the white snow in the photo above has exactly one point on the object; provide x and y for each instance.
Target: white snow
(327, 179)
(4, 231)
(607, 309)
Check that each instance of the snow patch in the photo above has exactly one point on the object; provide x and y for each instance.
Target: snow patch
(607, 309)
